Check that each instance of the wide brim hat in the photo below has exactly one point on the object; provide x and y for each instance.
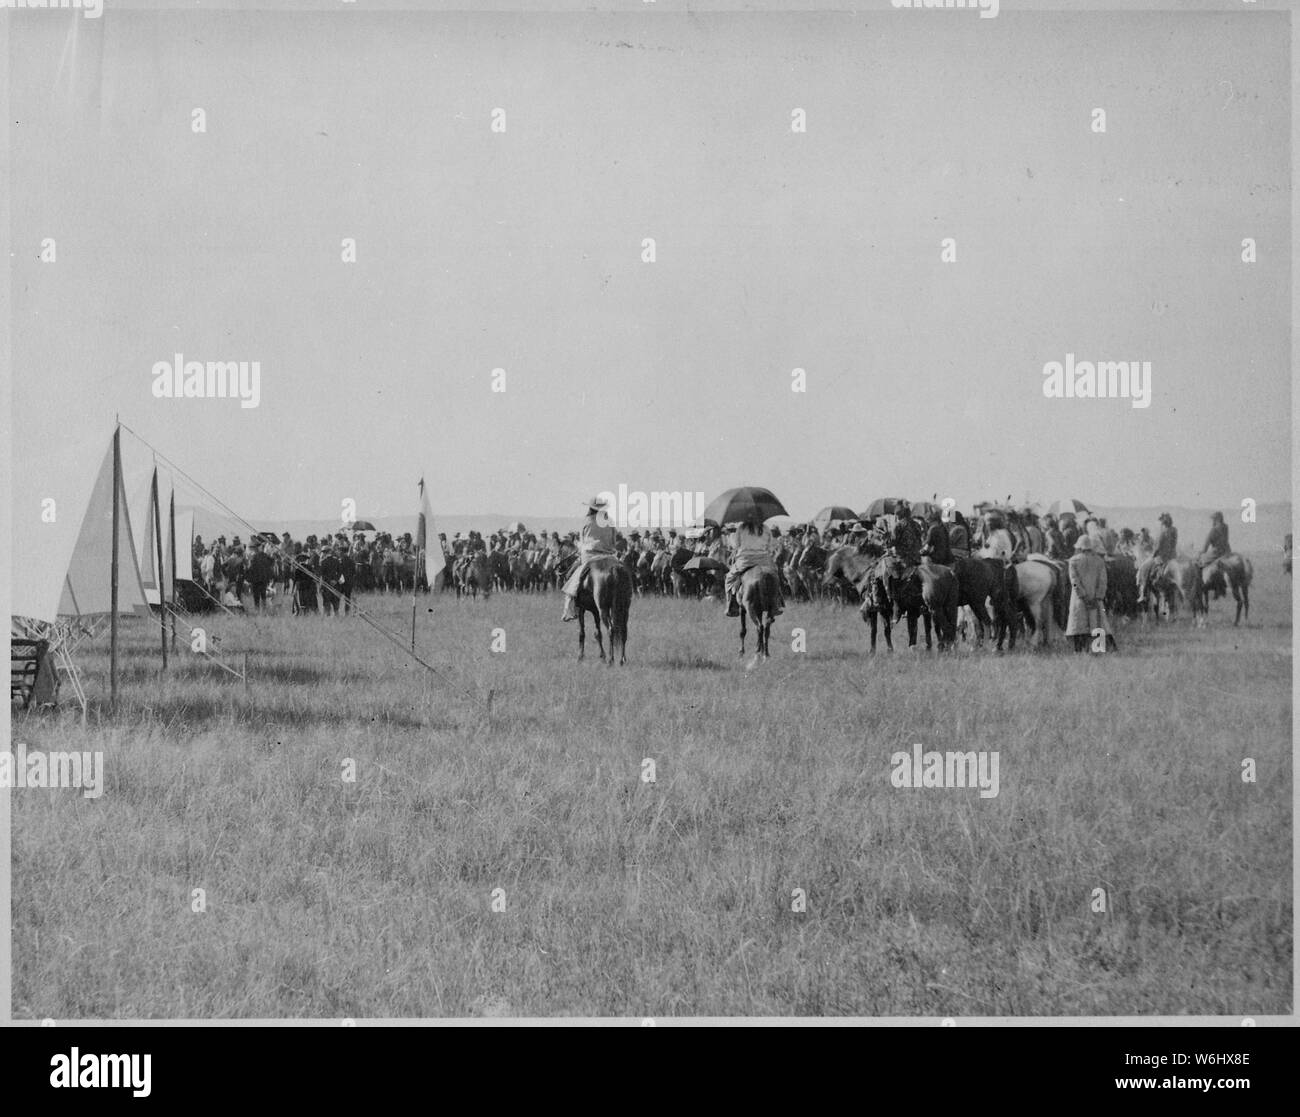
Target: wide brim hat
(597, 502)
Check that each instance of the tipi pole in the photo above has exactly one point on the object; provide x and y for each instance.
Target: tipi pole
(162, 604)
(414, 582)
(112, 632)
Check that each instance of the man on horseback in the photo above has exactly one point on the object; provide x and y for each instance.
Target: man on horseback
(937, 547)
(906, 537)
(754, 547)
(997, 540)
(1216, 545)
(595, 540)
(1166, 550)
(959, 536)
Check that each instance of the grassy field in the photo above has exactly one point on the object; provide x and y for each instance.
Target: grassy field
(373, 898)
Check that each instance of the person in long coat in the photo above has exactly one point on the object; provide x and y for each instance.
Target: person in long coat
(304, 580)
(1087, 594)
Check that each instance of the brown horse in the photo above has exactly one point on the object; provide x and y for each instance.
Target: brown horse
(982, 582)
(474, 575)
(606, 593)
(760, 592)
(926, 591)
(860, 567)
(1238, 572)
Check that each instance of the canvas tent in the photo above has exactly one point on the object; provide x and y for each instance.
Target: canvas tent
(64, 565)
(63, 536)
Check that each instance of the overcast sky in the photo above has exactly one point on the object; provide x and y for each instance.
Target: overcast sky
(775, 251)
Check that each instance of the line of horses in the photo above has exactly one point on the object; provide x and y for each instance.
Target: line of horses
(975, 598)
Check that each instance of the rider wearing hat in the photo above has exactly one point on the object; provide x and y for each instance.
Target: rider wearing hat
(1166, 550)
(596, 539)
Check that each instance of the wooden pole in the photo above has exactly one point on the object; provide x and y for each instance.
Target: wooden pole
(162, 603)
(414, 584)
(112, 632)
(171, 516)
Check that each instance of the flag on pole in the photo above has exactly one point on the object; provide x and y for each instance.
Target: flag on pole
(426, 539)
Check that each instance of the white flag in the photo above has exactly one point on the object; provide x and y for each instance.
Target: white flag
(426, 539)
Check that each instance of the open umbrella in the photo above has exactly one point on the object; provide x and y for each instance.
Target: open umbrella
(1071, 505)
(922, 508)
(832, 512)
(359, 525)
(737, 505)
(781, 523)
(882, 506)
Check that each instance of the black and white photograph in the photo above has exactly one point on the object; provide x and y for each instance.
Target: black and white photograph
(648, 513)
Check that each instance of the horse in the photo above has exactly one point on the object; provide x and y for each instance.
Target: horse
(759, 593)
(473, 575)
(859, 566)
(606, 593)
(1238, 572)
(1177, 582)
(499, 566)
(1121, 586)
(521, 571)
(984, 581)
(927, 590)
(1043, 586)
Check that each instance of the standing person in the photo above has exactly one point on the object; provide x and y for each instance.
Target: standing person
(347, 577)
(330, 576)
(1069, 530)
(1087, 594)
(235, 568)
(304, 580)
(595, 540)
(754, 548)
(260, 571)
(208, 570)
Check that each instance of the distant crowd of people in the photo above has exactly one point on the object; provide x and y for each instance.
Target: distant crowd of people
(324, 573)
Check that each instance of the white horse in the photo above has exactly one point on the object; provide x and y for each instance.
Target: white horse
(1041, 583)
